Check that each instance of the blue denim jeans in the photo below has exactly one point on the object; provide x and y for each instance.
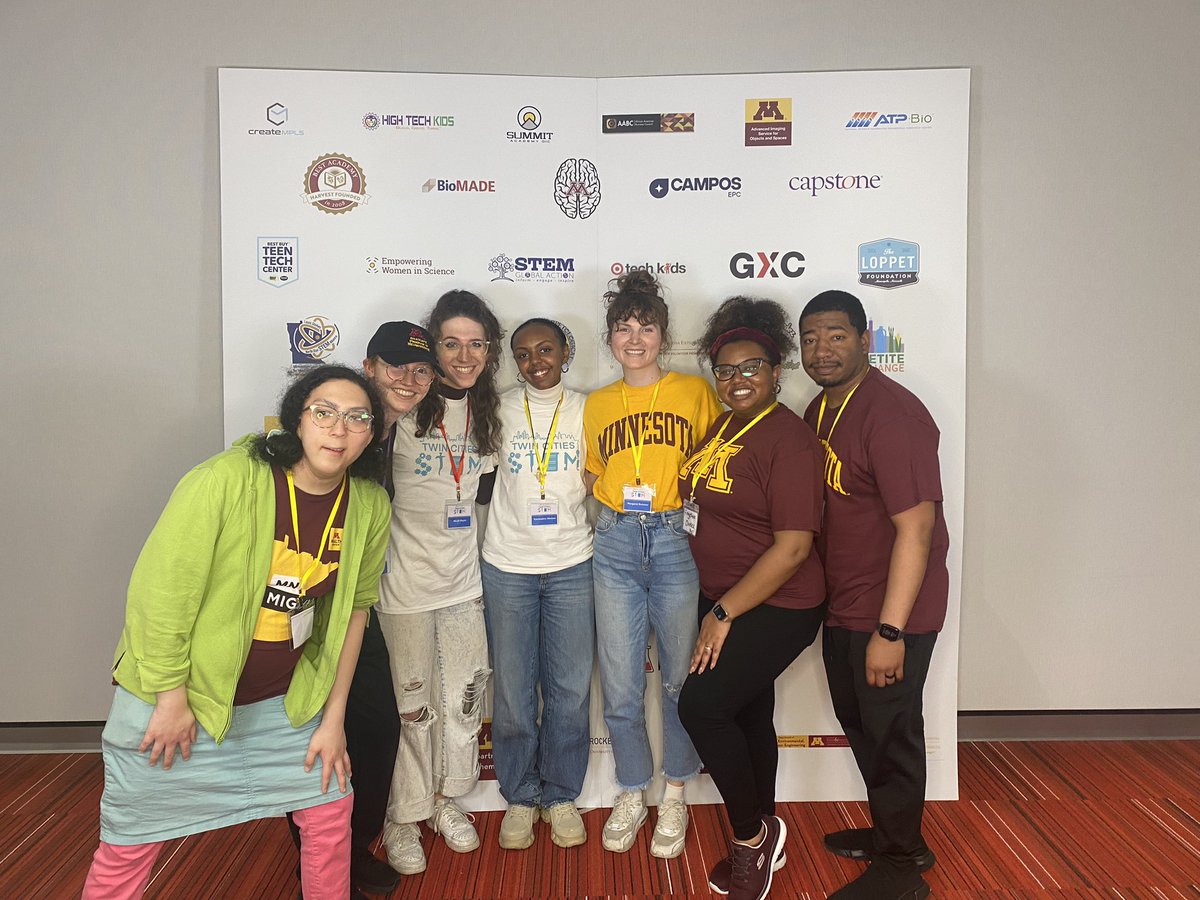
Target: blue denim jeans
(644, 576)
(541, 629)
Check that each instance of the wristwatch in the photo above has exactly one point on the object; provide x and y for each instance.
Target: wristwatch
(890, 632)
(719, 613)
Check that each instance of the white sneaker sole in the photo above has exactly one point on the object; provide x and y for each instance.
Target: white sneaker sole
(668, 851)
(559, 841)
(622, 844)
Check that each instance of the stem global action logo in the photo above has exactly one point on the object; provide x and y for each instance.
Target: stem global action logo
(312, 340)
(335, 184)
(555, 269)
(648, 123)
(769, 122)
(888, 263)
(886, 348)
(577, 188)
(278, 260)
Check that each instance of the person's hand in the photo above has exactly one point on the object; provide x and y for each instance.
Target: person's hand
(885, 661)
(709, 643)
(172, 725)
(329, 743)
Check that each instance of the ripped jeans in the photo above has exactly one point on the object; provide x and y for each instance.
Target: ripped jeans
(440, 670)
(644, 576)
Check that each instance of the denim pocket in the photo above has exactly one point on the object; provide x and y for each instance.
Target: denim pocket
(605, 521)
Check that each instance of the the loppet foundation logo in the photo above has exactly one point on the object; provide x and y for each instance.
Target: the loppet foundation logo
(889, 263)
(577, 188)
(335, 184)
(312, 339)
(648, 123)
(769, 122)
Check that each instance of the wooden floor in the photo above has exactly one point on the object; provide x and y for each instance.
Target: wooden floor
(1053, 819)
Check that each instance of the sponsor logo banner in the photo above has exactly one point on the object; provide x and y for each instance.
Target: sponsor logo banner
(767, 264)
(654, 268)
(889, 120)
(406, 121)
(577, 188)
(278, 260)
(459, 185)
(648, 123)
(406, 265)
(335, 184)
(312, 339)
(276, 116)
(731, 185)
(814, 184)
(886, 349)
(529, 118)
(769, 122)
(888, 263)
(811, 741)
(556, 269)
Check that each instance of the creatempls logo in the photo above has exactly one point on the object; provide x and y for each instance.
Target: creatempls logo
(888, 263)
(406, 265)
(887, 347)
(277, 116)
(646, 123)
(554, 269)
(767, 264)
(529, 118)
(659, 268)
(406, 121)
(769, 122)
(278, 260)
(461, 185)
(729, 184)
(814, 184)
(889, 120)
(312, 339)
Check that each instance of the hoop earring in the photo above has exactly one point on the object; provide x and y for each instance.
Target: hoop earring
(566, 367)
(520, 379)
(777, 387)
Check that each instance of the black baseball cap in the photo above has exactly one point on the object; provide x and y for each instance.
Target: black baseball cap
(401, 343)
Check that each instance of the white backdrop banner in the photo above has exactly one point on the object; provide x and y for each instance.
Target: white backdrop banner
(350, 198)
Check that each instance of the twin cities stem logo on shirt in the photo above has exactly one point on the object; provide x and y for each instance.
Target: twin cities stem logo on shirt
(312, 340)
(278, 260)
(335, 184)
(658, 427)
(769, 122)
(886, 351)
(767, 264)
(888, 263)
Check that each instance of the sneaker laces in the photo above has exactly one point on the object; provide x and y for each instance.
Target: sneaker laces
(627, 807)
(561, 811)
(672, 817)
(448, 818)
(404, 835)
(742, 860)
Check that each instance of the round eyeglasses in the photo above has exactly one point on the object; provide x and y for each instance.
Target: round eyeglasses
(357, 420)
(748, 368)
(421, 374)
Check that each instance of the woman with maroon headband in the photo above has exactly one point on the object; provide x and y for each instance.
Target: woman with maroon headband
(752, 506)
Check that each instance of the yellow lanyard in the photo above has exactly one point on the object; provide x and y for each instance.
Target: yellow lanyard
(705, 464)
(296, 528)
(543, 458)
(641, 433)
(841, 409)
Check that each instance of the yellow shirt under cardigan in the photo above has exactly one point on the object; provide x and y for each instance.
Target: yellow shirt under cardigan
(198, 583)
(684, 410)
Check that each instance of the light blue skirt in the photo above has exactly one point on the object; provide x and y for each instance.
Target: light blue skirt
(256, 772)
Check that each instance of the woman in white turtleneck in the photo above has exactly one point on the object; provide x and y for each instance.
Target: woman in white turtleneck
(537, 588)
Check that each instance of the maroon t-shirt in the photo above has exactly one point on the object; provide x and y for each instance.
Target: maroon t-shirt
(268, 669)
(768, 480)
(882, 461)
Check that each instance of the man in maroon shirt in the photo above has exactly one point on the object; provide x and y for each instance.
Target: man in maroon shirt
(883, 547)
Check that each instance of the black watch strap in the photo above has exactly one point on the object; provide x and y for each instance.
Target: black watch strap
(890, 632)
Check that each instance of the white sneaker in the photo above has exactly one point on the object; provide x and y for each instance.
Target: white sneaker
(516, 829)
(671, 830)
(628, 815)
(566, 825)
(403, 845)
(455, 826)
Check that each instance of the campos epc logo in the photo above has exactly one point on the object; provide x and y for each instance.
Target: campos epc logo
(729, 184)
(577, 188)
(767, 264)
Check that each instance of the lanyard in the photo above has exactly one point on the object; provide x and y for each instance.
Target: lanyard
(324, 537)
(641, 433)
(457, 470)
(543, 458)
(841, 409)
(706, 463)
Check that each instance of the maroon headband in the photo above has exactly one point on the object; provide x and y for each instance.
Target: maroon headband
(746, 334)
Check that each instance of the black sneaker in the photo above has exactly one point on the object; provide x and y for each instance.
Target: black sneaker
(858, 843)
(752, 867)
(718, 878)
(884, 882)
(372, 874)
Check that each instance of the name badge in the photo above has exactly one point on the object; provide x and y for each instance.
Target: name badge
(637, 497)
(543, 512)
(458, 515)
(300, 623)
(691, 516)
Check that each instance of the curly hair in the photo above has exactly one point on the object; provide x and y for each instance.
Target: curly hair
(766, 316)
(283, 448)
(637, 295)
(485, 399)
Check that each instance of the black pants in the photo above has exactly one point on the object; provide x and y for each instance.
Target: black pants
(729, 711)
(372, 736)
(886, 730)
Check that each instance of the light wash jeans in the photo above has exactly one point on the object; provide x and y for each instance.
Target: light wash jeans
(541, 629)
(644, 576)
(439, 669)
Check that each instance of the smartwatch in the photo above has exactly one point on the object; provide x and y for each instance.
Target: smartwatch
(719, 613)
(890, 632)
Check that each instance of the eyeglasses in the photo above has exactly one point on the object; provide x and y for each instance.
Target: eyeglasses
(420, 374)
(747, 367)
(475, 347)
(357, 420)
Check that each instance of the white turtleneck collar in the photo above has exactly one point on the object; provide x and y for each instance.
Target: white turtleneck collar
(548, 397)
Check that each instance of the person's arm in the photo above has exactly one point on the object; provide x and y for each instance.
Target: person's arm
(777, 564)
(906, 572)
(329, 740)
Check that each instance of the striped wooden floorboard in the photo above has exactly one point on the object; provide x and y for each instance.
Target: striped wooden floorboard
(1113, 819)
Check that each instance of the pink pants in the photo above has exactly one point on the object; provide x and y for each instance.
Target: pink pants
(122, 872)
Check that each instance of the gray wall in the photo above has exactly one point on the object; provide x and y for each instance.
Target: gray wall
(1083, 321)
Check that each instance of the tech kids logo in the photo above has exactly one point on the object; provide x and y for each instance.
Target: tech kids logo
(335, 184)
(769, 122)
(767, 264)
(529, 118)
(460, 185)
(406, 121)
(546, 269)
(396, 265)
(312, 339)
(889, 263)
(661, 268)
(886, 351)
(731, 185)
(814, 184)
(278, 260)
(648, 123)
(889, 120)
(277, 116)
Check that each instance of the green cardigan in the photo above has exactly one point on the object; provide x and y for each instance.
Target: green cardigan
(198, 584)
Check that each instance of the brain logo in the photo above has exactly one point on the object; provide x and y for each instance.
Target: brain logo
(577, 188)
(529, 117)
(370, 121)
(317, 337)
